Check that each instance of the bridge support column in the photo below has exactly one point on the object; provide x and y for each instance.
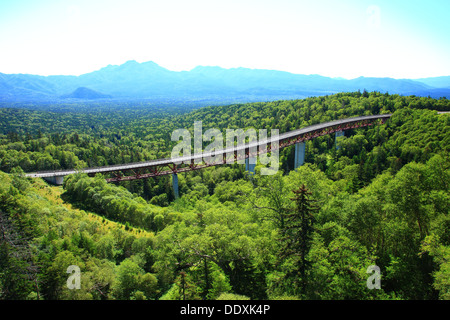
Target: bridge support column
(299, 158)
(175, 185)
(338, 134)
(59, 180)
(250, 164)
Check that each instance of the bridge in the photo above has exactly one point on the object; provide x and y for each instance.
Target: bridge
(243, 152)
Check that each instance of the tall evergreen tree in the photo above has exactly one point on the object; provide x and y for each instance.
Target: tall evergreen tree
(297, 234)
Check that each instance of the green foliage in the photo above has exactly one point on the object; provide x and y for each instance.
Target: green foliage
(296, 235)
(133, 283)
(441, 255)
(115, 202)
(232, 296)
(383, 199)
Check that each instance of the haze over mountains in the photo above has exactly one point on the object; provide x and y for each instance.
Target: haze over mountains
(149, 81)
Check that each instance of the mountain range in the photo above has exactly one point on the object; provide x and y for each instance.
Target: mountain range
(151, 82)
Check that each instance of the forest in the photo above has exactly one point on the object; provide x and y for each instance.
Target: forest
(379, 199)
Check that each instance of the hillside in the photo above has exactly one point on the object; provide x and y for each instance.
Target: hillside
(381, 199)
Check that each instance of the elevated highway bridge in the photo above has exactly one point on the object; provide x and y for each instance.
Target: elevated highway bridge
(247, 152)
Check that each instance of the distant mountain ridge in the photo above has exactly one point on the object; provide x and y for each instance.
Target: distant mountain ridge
(149, 81)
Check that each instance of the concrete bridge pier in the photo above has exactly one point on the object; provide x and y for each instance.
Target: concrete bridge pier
(250, 164)
(299, 154)
(57, 180)
(338, 134)
(175, 185)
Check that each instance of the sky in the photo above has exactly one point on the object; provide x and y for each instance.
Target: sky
(345, 38)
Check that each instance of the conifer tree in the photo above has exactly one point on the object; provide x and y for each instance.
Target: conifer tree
(297, 234)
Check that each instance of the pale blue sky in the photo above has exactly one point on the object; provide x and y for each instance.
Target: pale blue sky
(348, 38)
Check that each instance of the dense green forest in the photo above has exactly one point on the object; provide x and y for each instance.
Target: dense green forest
(381, 198)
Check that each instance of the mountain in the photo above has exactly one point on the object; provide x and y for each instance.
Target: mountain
(138, 81)
(437, 82)
(86, 94)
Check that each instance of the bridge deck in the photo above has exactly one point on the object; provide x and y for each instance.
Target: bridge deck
(194, 157)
